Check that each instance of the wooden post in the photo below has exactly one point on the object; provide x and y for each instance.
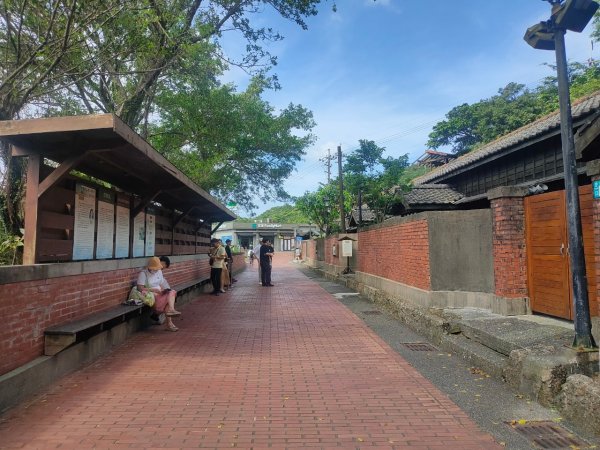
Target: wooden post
(31, 209)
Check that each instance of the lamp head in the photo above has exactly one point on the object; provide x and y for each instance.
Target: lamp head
(574, 15)
(540, 36)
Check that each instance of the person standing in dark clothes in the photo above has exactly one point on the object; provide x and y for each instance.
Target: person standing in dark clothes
(266, 256)
(229, 261)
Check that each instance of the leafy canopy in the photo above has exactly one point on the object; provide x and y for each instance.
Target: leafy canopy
(371, 179)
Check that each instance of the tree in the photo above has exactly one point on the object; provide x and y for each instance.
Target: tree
(386, 188)
(322, 207)
(281, 214)
(467, 126)
(115, 56)
(372, 179)
(233, 145)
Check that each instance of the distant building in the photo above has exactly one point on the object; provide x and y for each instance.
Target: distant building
(357, 218)
(284, 236)
(433, 158)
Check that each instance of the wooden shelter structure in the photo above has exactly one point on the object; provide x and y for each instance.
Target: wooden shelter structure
(118, 163)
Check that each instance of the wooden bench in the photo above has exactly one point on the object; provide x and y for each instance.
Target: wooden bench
(59, 337)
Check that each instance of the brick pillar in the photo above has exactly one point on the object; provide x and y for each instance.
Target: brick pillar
(593, 170)
(510, 256)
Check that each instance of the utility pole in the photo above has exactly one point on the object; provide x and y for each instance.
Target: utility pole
(327, 160)
(342, 216)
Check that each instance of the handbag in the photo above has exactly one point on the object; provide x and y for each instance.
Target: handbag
(138, 298)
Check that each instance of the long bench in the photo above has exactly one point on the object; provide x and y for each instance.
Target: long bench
(59, 337)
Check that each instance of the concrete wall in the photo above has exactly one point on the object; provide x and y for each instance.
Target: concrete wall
(460, 251)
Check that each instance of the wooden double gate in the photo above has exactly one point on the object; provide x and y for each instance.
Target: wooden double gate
(549, 279)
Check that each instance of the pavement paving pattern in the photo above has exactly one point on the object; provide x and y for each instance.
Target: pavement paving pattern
(283, 367)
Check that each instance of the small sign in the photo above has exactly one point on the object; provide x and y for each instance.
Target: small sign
(347, 248)
(596, 188)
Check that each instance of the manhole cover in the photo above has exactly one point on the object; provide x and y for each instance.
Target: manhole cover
(419, 346)
(548, 435)
(371, 313)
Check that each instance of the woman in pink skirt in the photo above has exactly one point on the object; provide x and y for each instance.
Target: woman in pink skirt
(152, 280)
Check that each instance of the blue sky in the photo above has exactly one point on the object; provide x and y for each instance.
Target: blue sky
(389, 70)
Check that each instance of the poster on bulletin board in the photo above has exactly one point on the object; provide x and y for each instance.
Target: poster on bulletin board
(150, 234)
(139, 234)
(106, 225)
(122, 230)
(85, 222)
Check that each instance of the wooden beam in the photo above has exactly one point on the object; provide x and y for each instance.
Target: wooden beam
(60, 172)
(216, 228)
(18, 152)
(56, 124)
(586, 134)
(145, 202)
(182, 216)
(31, 210)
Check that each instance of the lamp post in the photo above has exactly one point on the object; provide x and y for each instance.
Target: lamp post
(571, 15)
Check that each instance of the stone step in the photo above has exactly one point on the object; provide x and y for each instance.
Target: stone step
(480, 356)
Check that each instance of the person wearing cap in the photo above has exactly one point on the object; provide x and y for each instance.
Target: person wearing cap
(151, 279)
(266, 256)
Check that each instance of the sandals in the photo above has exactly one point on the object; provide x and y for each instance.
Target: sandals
(173, 313)
(172, 328)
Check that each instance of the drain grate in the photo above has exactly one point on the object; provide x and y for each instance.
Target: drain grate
(548, 435)
(419, 346)
(371, 313)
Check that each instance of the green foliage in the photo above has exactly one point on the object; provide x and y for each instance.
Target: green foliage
(411, 172)
(467, 127)
(233, 145)
(372, 179)
(283, 214)
(71, 57)
(322, 207)
(278, 214)
(10, 247)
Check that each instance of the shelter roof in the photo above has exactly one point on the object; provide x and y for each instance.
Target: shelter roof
(104, 147)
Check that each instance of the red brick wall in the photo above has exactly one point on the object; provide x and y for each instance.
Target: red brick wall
(509, 247)
(29, 307)
(397, 252)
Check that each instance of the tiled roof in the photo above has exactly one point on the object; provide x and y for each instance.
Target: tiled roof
(580, 109)
(367, 214)
(432, 194)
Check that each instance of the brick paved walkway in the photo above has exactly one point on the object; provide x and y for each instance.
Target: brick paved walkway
(280, 367)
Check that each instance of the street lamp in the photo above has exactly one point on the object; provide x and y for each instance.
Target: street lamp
(571, 15)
